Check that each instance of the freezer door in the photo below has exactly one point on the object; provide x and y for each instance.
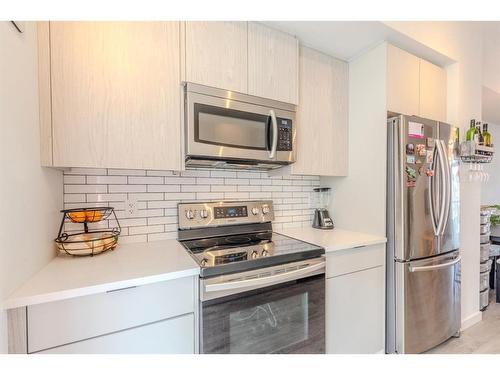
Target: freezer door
(450, 231)
(427, 302)
(413, 194)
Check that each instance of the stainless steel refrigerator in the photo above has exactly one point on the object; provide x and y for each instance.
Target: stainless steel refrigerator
(423, 230)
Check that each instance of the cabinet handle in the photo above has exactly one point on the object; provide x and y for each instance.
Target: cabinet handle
(120, 289)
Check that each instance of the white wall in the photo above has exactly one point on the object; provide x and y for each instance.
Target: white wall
(359, 200)
(490, 192)
(30, 196)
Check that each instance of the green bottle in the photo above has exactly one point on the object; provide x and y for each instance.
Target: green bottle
(472, 130)
(487, 136)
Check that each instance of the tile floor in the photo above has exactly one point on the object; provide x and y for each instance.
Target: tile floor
(482, 338)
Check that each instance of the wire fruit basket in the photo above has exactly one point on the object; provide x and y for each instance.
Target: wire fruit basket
(91, 241)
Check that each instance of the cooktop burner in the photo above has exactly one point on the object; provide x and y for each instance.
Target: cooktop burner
(228, 254)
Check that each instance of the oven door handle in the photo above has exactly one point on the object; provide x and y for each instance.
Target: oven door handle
(262, 281)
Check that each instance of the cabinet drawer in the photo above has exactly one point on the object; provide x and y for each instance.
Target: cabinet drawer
(352, 260)
(62, 322)
(172, 336)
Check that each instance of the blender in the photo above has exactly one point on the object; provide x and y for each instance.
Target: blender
(322, 219)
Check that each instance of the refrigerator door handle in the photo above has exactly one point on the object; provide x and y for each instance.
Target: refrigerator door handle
(447, 188)
(430, 197)
(442, 174)
(434, 267)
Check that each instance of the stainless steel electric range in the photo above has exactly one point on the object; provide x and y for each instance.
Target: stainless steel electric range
(260, 291)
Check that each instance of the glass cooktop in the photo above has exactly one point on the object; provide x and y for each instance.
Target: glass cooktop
(237, 253)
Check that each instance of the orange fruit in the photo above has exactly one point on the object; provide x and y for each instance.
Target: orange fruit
(93, 216)
(77, 216)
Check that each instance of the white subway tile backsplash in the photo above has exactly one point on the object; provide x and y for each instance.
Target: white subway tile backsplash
(106, 197)
(126, 172)
(209, 196)
(195, 188)
(158, 193)
(164, 188)
(196, 173)
(69, 179)
(85, 189)
(210, 181)
(127, 188)
(145, 180)
(69, 198)
(106, 180)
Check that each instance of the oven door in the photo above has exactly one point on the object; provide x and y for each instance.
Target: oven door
(288, 317)
(222, 128)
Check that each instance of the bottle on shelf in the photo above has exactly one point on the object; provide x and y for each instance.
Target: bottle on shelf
(481, 138)
(470, 133)
(487, 136)
(477, 132)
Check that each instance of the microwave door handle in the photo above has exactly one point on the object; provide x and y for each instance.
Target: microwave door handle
(274, 142)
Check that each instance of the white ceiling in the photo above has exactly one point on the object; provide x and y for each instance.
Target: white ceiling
(348, 39)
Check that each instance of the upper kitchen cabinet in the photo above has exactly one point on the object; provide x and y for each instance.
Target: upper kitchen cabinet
(114, 91)
(415, 86)
(216, 54)
(273, 64)
(403, 81)
(322, 115)
(433, 87)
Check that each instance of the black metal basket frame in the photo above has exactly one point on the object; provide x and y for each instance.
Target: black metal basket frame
(62, 237)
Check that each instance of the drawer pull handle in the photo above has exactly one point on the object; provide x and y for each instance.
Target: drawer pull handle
(120, 289)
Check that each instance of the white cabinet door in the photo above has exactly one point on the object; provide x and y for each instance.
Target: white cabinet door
(355, 312)
(432, 91)
(173, 336)
(116, 94)
(403, 81)
(61, 322)
(273, 64)
(216, 54)
(322, 115)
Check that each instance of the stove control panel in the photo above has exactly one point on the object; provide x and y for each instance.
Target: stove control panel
(205, 214)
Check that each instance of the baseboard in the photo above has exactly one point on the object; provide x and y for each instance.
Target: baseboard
(471, 320)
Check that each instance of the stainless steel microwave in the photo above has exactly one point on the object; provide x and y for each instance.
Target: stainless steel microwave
(226, 129)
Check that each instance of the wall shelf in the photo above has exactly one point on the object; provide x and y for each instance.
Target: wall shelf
(470, 152)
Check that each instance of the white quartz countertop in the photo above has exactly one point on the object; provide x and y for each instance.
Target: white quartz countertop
(128, 265)
(333, 239)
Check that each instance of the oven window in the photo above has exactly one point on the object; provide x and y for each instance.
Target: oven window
(232, 128)
(289, 318)
(282, 323)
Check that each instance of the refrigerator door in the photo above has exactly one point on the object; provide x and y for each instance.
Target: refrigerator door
(413, 190)
(427, 302)
(450, 231)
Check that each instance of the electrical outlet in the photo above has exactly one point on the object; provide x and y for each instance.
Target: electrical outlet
(131, 209)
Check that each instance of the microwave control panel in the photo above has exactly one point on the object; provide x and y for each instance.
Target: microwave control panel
(285, 134)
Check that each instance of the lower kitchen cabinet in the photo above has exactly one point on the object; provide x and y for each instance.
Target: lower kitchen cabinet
(160, 317)
(172, 336)
(355, 301)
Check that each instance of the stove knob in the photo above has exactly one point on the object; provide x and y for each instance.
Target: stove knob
(255, 211)
(264, 253)
(203, 214)
(254, 254)
(190, 214)
(204, 262)
(265, 209)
